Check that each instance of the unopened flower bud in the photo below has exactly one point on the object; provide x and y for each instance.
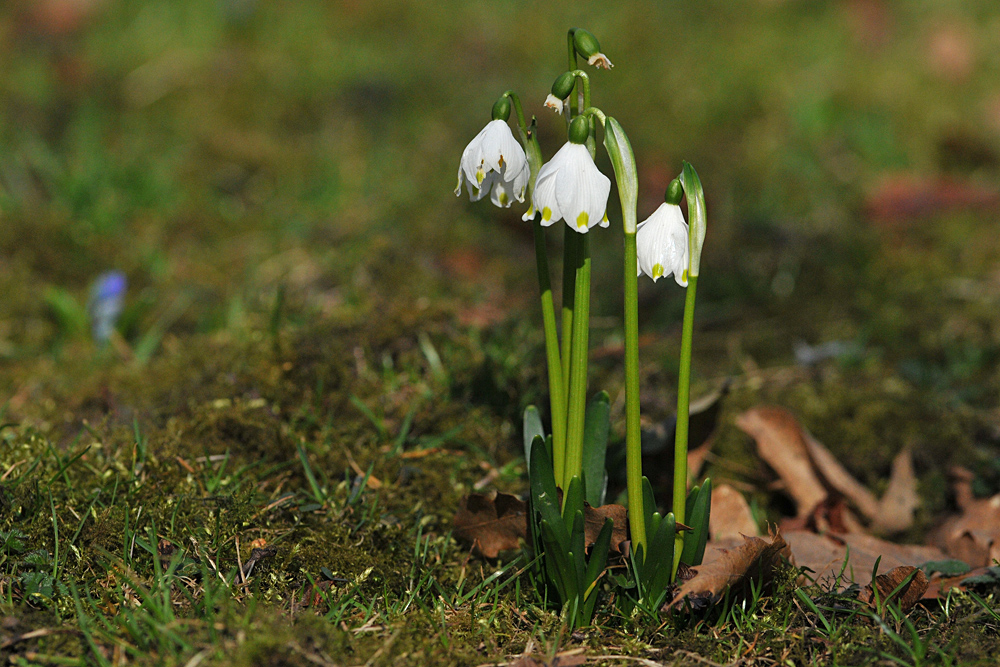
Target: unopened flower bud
(588, 47)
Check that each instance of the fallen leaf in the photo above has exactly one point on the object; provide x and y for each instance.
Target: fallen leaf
(781, 444)
(825, 555)
(974, 535)
(899, 502)
(496, 522)
(731, 516)
(886, 584)
(492, 522)
(727, 569)
(940, 585)
(593, 518)
(839, 479)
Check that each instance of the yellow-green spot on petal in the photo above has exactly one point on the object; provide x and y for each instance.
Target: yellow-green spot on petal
(546, 214)
(582, 219)
(500, 163)
(684, 276)
(657, 271)
(480, 175)
(503, 198)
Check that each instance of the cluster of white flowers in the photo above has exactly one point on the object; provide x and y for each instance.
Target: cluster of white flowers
(569, 187)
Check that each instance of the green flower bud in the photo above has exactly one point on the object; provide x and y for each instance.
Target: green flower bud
(579, 130)
(563, 86)
(696, 215)
(501, 110)
(674, 194)
(623, 160)
(587, 46)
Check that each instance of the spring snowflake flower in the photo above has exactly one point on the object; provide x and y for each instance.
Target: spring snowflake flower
(494, 162)
(662, 244)
(570, 187)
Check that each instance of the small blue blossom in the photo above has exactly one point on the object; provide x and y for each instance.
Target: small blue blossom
(106, 298)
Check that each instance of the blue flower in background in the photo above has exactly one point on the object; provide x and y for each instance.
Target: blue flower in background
(105, 305)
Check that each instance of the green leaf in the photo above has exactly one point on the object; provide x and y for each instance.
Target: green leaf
(597, 425)
(699, 506)
(573, 502)
(532, 429)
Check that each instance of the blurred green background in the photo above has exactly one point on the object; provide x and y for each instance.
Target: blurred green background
(220, 152)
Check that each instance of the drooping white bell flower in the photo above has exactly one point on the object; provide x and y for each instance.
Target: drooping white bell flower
(494, 162)
(570, 187)
(662, 244)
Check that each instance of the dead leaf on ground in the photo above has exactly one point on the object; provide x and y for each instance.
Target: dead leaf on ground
(812, 474)
(725, 569)
(905, 597)
(594, 517)
(497, 522)
(974, 535)
(781, 444)
(491, 522)
(940, 585)
(731, 516)
(837, 477)
(900, 500)
(572, 658)
(824, 555)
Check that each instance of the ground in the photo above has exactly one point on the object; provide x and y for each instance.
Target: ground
(322, 349)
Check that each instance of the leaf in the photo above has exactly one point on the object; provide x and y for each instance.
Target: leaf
(974, 535)
(532, 427)
(594, 518)
(731, 517)
(699, 507)
(837, 477)
(596, 426)
(732, 569)
(892, 589)
(493, 523)
(781, 444)
(825, 555)
(900, 500)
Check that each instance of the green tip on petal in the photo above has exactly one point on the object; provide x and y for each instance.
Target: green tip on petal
(480, 175)
(658, 271)
(546, 214)
(582, 219)
(504, 198)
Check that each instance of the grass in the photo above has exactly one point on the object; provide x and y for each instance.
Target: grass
(323, 350)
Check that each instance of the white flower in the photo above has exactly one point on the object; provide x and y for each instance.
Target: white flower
(600, 60)
(494, 162)
(662, 244)
(554, 103)
(571, 187)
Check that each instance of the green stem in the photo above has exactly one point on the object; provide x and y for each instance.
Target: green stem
(557, 394)
(633, 436)
(683, 415)
(577, 406)
(571, 59)
(571, 241)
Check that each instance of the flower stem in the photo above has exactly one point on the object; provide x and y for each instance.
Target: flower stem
(571, 60)
(577, 406)
(557, 394)
(633, 438)
(683, 416)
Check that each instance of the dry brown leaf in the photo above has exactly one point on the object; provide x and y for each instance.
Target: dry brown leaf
(899, 502)
(493, 523)
(825, 554)
(974, 535)
(781, 444)
(839, 479)
(906, 597)
(730, 517)
(496, 522)
(756, 558)
(594, 517)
